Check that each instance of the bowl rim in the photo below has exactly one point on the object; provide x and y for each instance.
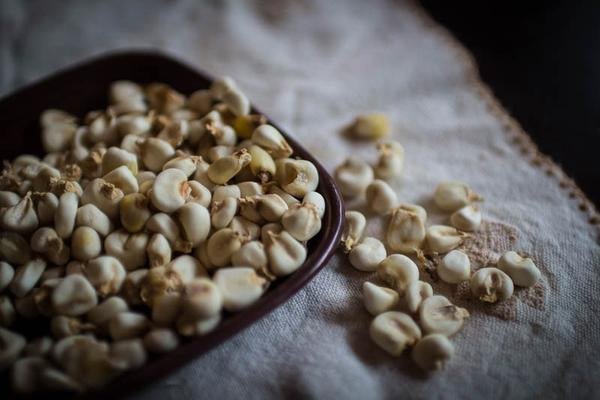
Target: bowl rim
(320, 254)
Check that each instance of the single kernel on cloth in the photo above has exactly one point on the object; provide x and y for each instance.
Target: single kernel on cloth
(353, 176)
(467, 219)
(491, 285)
(455, 267)
(432, 352)
(378, 299)
(442, 238)
(451, 196)
(416, 292)
(398, 271)
(372, 126)
(394, 331)
(367, 255)
(381, 197)
(438, 315)
(406, 229)
(522, 270)
(390, 163)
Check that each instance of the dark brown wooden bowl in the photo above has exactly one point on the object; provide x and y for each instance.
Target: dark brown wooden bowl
(84, 87)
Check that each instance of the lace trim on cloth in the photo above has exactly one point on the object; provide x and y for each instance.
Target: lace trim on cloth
(511, 127)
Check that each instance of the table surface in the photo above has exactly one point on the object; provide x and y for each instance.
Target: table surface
(542, 61)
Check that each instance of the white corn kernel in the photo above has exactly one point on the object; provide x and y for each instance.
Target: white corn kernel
(74, 296)
(236, 101)
(442, 238)
(239, 286)
(202, 300)
(134, 212)
(222, 213)
(302, 221)
(199, 194)
(166, 308)
(317, 200)
(47, 204)
(522, 270)
(170, 190)
(14, 248)
(245, 227)
(415, 293)
(467, 219)
(198, 328)
(438, 315)
(367, 255)
(64, 219)
(8, 199)
(285, 253)
(270, 139)
(165, 225)
(116, 157)
(393, 331)
(216, 153)
(123, 178)
(220, 192)
(128, 325)
(101, 314)
(491, 285)
(155, 153)
(391, 160)
(132, 286)
(124, 91)
(221, 85)
(161, 340)
(21, 217)
(129, 248)
(225, 168)
(105, 196)
(415, 209)
(26, 277)
(46, 242)
(432, 352)
(398, 271)
(378, 299)
(7, 312)
(288, 198)
(195, 221)
(252, 254)
(11, 346)
(200, 101)
(267, 229)
(7, 272)
(85, 243)
(128, 354)
(159, 250)
(91, 216)
(222, 244)
(381, 197)
(451, 196)
(250, 188)
(369, 127)
(406, 230)
(353, 176)
(261, 164)
(106, 274)
(455, 267)
(297, 177)
(354, 227)
(184, 162)
(271, 207)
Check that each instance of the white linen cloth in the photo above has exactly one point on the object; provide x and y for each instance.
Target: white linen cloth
(312, 66)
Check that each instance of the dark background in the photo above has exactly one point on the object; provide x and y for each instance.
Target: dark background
(542, 60)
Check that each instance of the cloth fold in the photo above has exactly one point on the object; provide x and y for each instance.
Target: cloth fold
(312, 66)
